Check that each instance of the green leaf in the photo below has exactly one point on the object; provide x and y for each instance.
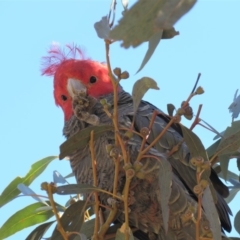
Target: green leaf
(230, 142)
(71, 220)
(170, 109)
(165, 180)
(211, 213)
(196, 149)
(76, 189)
(24, 218)
(11, 190)
(232, 194)
(237, 222)
(39, 231)
(81, 139)
(152, 45)
(140, 87)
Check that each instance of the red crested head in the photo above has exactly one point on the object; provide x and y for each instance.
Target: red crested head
(73, 65)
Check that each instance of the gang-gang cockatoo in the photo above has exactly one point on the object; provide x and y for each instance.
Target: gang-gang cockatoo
(74, 74)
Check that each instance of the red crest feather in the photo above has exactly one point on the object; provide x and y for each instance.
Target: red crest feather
(56, 56)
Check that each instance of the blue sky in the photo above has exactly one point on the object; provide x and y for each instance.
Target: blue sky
(31, 124)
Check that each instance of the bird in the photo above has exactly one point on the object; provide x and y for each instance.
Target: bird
(81, 85)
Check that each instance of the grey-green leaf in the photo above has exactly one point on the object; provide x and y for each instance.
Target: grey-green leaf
(230, 142)
(237, 222)
(146, 18)
(39, 231)
(71, 220)
(102, 28)
(224, 161)
(11, 191)
(76, 189)
(196, 149)
(211, 213)
(140, 87)
(152, 45)
(165, 181)
(121, 233)
(81, 139)
(170, 109)
(232, 194)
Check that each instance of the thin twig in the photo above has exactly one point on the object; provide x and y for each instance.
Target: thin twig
(59, 225)
(94, 168)
(198, 77)
(196, 120)
(108, 222)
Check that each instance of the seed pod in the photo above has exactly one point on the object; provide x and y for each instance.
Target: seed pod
(130, 173)
(124, 75)
(184, 104)
(140, 174)
(103, 101)
(127, 166)
(197, 161)
(114, 153)
(203, 183)
(144, 132)
(137, 165)
(198, 189)
(109, 147)
(206, 165)
(180, 111)
(127, 135)
(117, 71)
(44, 186)
(199, 91)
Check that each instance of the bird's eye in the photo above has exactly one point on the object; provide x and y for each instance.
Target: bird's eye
(92, 79)
(64, 98)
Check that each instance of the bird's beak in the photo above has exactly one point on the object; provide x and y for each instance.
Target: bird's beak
(75, 86)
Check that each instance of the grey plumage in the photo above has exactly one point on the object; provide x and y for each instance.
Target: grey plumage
(145, 208)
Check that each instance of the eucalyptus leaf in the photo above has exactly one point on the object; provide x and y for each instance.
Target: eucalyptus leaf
(152, 45)
(230, 142)
(237, 222)
(224, 162)
(39, 231)
(145, 18)
(11, 191)
(232, 194)
(170, 109)
(76, 189)
(196, 149)
(29, 192)
(140, 87)
(211, 213)
(26, 217)
(71, 220)
(58, 178)
(121, 233)
(165, 181)
(81, 139)
(102, 28)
